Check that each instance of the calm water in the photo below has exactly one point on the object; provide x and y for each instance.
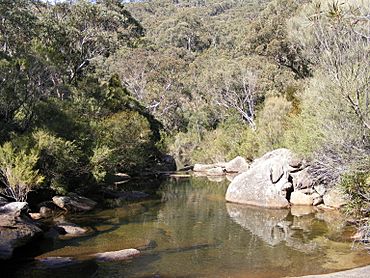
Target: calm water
(191, 232)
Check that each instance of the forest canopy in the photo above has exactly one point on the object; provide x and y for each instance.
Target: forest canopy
(92, 88)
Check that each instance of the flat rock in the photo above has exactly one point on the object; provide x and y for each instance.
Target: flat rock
(117, 255)
(300, 198)
(73, 202)
(56, 262)
(255, 186)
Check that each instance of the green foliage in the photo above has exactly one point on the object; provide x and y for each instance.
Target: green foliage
(272, 123)
(229, 140)
(17, 171)
(126, 139)
(357, 186)
(60, 160)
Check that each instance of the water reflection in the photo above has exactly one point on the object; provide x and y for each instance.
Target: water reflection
(192, 232)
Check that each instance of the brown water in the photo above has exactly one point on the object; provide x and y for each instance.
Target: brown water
(192, 232)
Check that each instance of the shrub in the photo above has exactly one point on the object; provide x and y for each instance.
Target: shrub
(17, 172)
(128, 137)
(357, 186)
(272, 123)
(60, 160)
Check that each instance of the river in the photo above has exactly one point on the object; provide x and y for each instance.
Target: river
(189, 230)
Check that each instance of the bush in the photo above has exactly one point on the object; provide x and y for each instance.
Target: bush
(60, 160)
(357, 186)
(126, 139)
(228, 140)
(272, 123)
(17, 172)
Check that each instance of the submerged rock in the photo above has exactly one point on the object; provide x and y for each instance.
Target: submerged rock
(117, 255)
(56, 262)
(75, 203)
(16, 228)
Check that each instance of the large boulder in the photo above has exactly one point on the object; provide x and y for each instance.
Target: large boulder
(266, 183)
(237, 165)
(16, 228)
(73, 202)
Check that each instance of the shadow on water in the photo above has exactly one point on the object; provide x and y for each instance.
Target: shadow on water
(190, 231)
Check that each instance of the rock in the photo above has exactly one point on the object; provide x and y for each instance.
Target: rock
(117, 255)
(55, 262)
(302, 179)
(320, 189)
(202, 167)
(45, 212)
(334, 198)
(299, 198)
(73, 202)
(277, 172)
(72, 229)
(65, 227)
(237, 165)
(14, 208)
(217, 171)
(317, 201)
(255, 187)
(295, 163)
(16, 228)
(35, 216)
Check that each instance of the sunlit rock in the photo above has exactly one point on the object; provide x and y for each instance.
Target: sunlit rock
(73, 202)
(117, 255)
